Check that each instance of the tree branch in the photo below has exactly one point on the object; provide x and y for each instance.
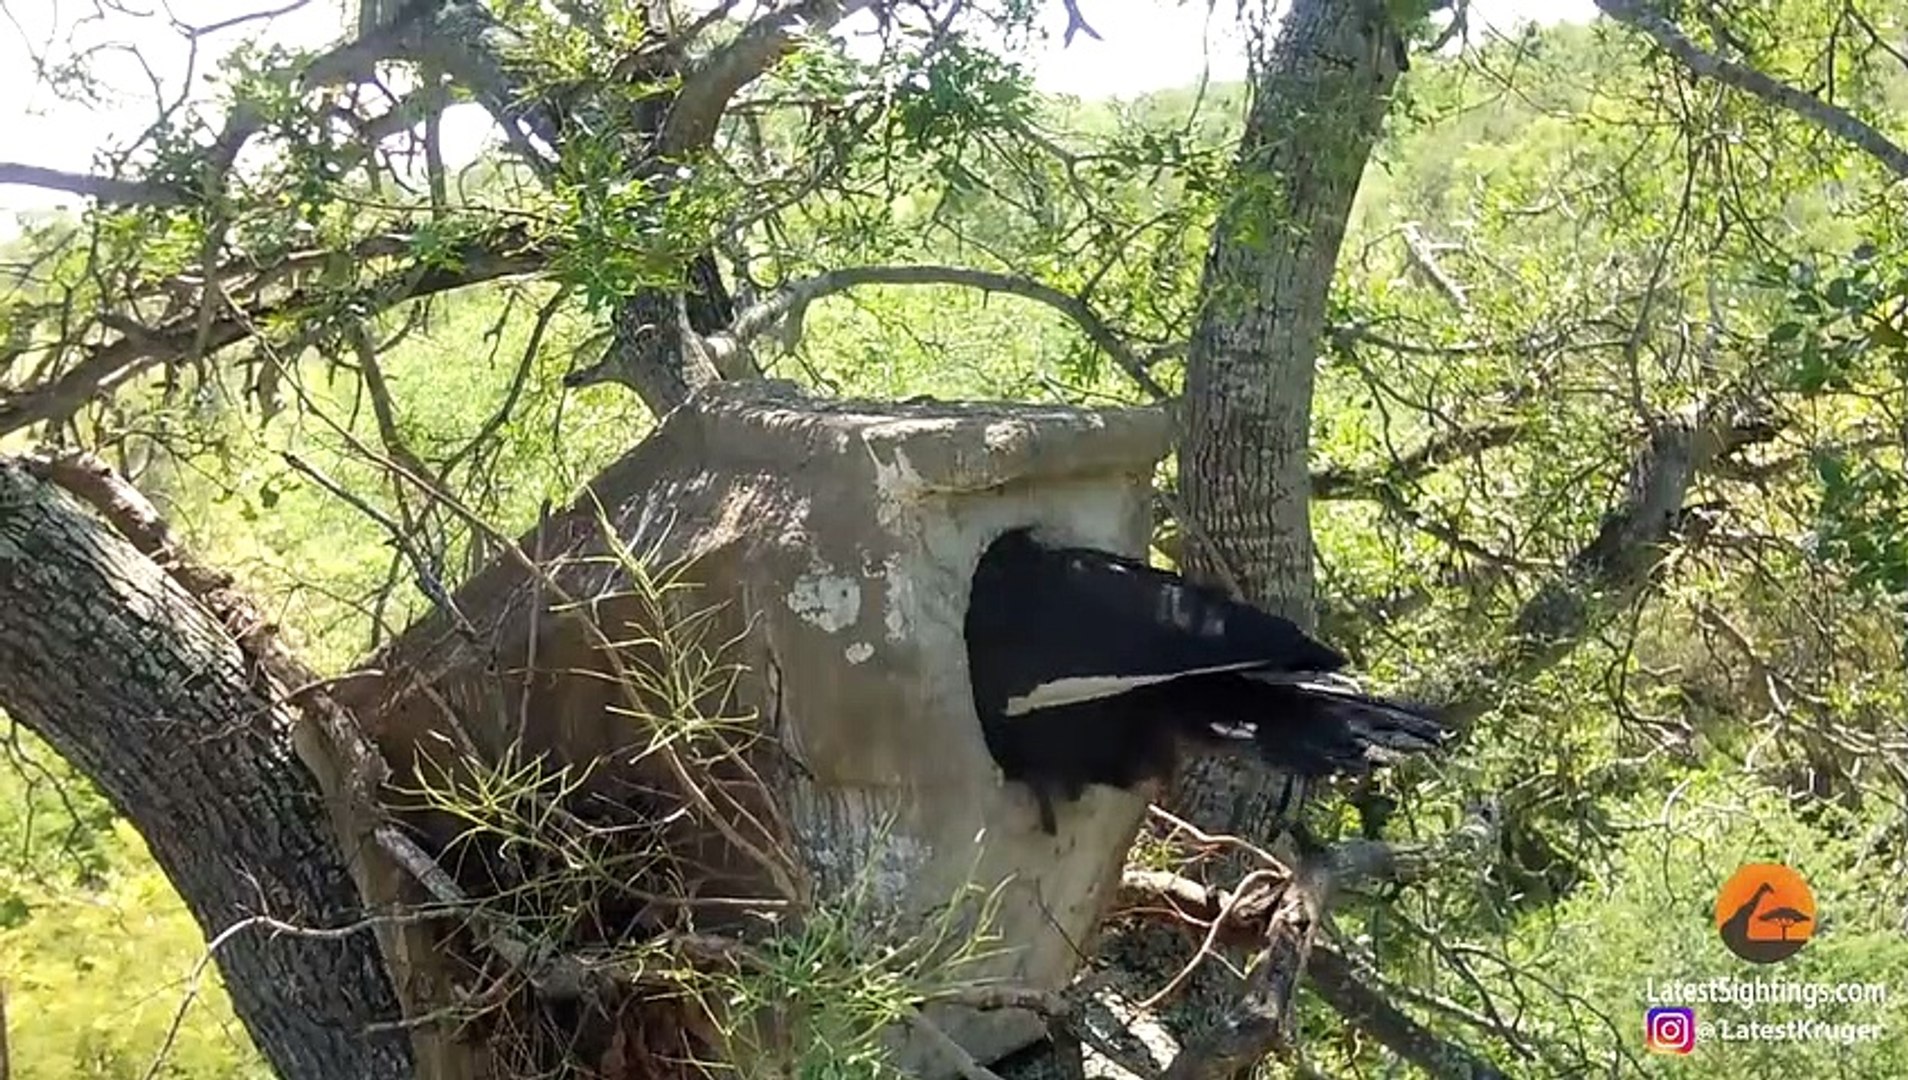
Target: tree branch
(465, 41)
(139, 348)
(1830, 118)
(181, 714)
(344, 63)
(1333, 979)
(106, 189)
(1341, 482)
(1612, 570)
(712, 83)
(789, 301)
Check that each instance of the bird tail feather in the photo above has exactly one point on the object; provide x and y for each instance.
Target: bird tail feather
(1325, 723)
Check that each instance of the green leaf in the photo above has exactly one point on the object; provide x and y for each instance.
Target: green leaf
(1887, 335)
(1811, 372)
(1831, 468)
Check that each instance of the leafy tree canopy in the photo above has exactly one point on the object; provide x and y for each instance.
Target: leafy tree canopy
(1583, 259)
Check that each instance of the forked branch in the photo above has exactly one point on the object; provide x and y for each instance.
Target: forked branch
(709, 87)
(1831, 118)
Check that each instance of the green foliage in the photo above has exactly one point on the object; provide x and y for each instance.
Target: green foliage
(97, 975)
(849, 972)
(57, 827)
(1864, 504)
(1626, 244)
(1651, 920)
(962, 93)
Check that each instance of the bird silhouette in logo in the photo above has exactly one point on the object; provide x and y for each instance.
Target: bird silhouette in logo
(1770, 913)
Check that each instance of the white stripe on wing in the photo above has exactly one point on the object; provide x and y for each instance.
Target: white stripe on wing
(1078, 688)
(1245, 732)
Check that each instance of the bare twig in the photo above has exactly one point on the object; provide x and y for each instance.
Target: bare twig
(383, 408)
(1258, 879)
(429, 582)
(1831, 118)
(531, 349)
(557, 975)
(1284, 920)
(1178, 824)
(196, 979)
(789, 300)
(1422, 254)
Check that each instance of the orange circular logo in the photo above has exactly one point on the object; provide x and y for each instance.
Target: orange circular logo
(1765, 912)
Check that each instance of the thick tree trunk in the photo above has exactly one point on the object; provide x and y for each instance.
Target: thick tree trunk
(1319, 96)
(648, 352)
(1318, 101)
(144, 672)
(107, 658)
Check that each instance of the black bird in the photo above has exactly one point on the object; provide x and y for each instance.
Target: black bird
(1091, 668)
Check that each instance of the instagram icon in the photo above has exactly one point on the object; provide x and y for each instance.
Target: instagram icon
(1670, 1030)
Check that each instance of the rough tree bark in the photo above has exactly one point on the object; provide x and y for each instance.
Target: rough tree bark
(830, 544)
(1318, 99)
(105, 656)
(165, 715)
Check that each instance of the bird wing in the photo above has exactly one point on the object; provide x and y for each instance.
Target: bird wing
(1049, 627)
